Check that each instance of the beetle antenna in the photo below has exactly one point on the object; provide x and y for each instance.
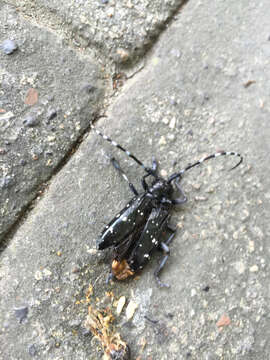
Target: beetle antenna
(105, 137)
(221, 153)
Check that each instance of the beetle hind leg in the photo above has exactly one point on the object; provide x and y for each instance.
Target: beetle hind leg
(109, 278)
(164, 246)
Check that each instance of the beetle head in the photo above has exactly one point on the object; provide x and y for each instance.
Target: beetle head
(161, 188)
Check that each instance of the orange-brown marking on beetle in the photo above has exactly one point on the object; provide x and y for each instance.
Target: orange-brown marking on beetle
(121, 269)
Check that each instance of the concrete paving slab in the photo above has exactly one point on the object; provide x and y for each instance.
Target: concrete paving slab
(203, 90)
(118, 30)
(48, 95)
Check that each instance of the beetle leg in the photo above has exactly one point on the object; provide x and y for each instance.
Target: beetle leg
(183, 198)
(109, 278)
(144, 183)
(164, 246)
(116, 165)
(173, 229)
(151, 171)
(154, 164)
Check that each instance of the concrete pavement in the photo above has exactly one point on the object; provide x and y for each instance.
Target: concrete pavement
(204, 87)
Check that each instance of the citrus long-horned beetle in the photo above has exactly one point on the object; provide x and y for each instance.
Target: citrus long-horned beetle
(142, 226)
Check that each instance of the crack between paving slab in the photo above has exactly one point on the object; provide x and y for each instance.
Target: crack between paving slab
(163, 28)
(49, 20)
(41, 189)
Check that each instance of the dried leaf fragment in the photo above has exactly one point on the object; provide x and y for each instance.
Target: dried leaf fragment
(99, 322)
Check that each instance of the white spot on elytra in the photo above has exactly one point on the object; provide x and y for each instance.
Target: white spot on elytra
(147, 256)
(140, 245)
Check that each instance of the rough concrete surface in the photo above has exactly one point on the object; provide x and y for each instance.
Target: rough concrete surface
(205, 88)
(120, 30)
(48, 94)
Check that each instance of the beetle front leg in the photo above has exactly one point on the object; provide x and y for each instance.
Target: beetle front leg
(183, 198)
(150, 171)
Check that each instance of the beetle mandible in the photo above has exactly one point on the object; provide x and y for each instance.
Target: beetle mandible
(142, 226)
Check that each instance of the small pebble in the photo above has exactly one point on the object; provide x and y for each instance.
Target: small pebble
(8, 46)
(47, 272)
(165, 121)
(122, 55)
(21, 313)
(173, 101)
(6, 182)
(240, 267)
(223, 321)
(32, 350)
(163, 173)
(88, 88)
(251, 246)
(206, 288)
(120, 304)
(172, 123)
(51, 114)
(254, 268)
(131, 308)
(38, 275)
(31, 97)
(200, 198)
(171, 137)
(30, 120)
(92, 251)
(162, 141)
(196, 186)
(22, 162)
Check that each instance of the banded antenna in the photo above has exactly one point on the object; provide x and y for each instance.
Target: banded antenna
(199, 162)
(105, 137)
